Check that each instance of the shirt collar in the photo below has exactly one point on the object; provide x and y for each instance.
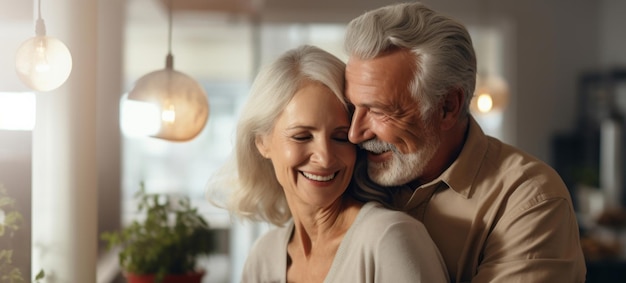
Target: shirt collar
(462, 172)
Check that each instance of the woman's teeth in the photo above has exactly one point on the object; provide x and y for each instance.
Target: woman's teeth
(318, 178)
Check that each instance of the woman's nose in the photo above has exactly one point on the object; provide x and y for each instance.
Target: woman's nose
(323, 153)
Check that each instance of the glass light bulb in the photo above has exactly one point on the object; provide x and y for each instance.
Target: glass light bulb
(183, 103)
(168, 113)
(41, 58)
(43, 63)
(491, 95)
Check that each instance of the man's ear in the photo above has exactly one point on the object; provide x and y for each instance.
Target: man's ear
(261, 146)
(452, 106)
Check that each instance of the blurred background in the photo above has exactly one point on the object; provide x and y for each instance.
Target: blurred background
(72, 160)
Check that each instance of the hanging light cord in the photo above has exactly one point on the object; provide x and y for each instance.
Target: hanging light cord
(40, 27)
(169, 60)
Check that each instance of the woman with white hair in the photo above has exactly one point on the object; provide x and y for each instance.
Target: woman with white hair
(294, 166)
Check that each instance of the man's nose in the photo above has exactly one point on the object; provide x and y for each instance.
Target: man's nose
(359, 129)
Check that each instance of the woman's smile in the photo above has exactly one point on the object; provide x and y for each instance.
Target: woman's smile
(319, 178)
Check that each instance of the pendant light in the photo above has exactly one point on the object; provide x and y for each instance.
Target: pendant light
(42, 62)
(492, 92)
(181, 101)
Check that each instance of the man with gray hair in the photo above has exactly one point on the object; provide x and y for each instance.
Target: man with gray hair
(496, 213)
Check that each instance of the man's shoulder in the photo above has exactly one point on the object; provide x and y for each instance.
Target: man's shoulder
(510, 162)
(486, 163)
(518, 174)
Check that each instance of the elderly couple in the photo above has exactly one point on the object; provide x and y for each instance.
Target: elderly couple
(426, 196)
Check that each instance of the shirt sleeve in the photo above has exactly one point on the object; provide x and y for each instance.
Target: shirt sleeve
(406, 253)
(266, 261)
(538, 244)
(252, 268)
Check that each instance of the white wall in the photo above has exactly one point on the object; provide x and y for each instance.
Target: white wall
(613, 33)
(15, 27)
(556, 41)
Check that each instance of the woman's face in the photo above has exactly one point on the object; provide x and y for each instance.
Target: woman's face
(309, 147)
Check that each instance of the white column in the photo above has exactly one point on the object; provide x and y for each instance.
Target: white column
(111, 21)
(611, 162)
(64, 153)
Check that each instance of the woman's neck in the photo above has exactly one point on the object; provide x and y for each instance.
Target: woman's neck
(314, 225)
(316, 238)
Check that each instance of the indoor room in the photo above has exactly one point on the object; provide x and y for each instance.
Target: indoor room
(74, 153)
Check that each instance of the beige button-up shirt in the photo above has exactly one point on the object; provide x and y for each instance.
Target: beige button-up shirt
(498, 214)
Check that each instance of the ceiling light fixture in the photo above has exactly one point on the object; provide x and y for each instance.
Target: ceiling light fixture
(42, 62)
(182, 103)
(491, 95)
(492, 91)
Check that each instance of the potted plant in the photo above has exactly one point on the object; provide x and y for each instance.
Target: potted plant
(164, 245)
(10, 221)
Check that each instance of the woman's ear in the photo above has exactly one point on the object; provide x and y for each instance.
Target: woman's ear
(261, 146)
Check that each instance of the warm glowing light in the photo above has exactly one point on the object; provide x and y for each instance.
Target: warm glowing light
(485, 103)
(43, 63)
(183, 103)
(41, 60)
(491, 95)
(168, 115)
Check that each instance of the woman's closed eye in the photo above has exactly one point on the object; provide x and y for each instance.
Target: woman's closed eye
(341, 137)
(302, 138)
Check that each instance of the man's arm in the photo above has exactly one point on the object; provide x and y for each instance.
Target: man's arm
(537, 244)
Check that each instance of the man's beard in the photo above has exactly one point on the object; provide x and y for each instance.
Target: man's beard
(401, 168)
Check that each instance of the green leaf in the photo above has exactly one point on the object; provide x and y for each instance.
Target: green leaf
(40, 275)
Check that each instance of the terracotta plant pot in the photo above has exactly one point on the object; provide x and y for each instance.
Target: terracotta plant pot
(178, 278)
